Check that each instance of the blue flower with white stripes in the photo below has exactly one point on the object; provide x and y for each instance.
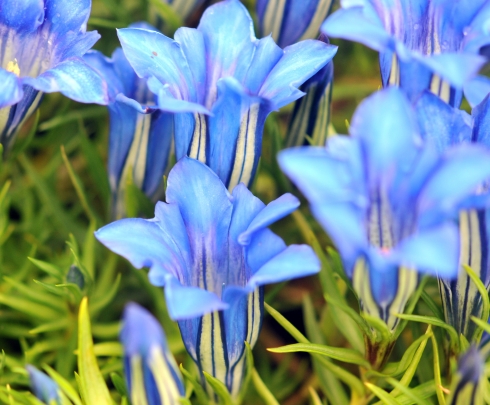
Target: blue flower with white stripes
(444, 126)
(423, 44)
(44, 387)
(310, 120)
(140, 136)
(213, 252)
(387, 200)
(293, 20)
(41, 44)
(223, 82)
(152, 375)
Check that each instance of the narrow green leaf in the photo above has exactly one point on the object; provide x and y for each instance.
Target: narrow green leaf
(64, 385)
(120, 384)
(57, 324)
(168, 14)
(432, 321)
(219, 388)
(314, 398)
(288, 326)
(432, 305)
(437, 371)
(382, 394)
(93, 387)
(196, 385)
(35, 310)
(337, 353)
(262, 389)
(358, 319)
(484, 299)
(101, 302)
(48, 268)
(407, 392)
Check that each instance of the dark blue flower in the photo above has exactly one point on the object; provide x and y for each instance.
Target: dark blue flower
(387, 201)
(293, 20)
(213, 253)
(467, 385)
(152, 375)
(309, 124)
(221, 69)
(444, 126)
(41, 44)
(140, 135)
(423, 44)
(44, 387)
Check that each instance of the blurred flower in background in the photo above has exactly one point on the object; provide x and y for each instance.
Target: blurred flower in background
(141, 135)
(223, 82)
(423, 44)
(389, 201)
(212, 251)
(42, 42)
(44, 387)
(152, 375)
(444, 126)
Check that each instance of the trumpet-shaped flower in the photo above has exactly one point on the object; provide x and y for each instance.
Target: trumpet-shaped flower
(291, 21)
(467, 387)
(140, 136)
(460, 297)
(213, 252)
(152, 375)
(311, 115)
(44, 387)
(223, 82)
(423, 44)
(41, 44)
(387, 200)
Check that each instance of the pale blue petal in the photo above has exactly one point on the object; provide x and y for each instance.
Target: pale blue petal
(481, 123)
(354, 24)
(255, 254)
(299, 63)
(185, 303)
(23, 15)
(434, 251)
(440, 123)
(43, 386)
(477, 89)
(463, 168)
(10, 89)
(274, 211)
(74, 79)
(295, 261)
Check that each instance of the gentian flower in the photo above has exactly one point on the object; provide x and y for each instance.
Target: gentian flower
(213, 253)
(311, 115)
(387, 201)
(467, 386)
(223, 82)
(291, 21)
(423, 44)
(460, 297)
(140, 136)
(41, 44)
(152, 375)
(44, 387)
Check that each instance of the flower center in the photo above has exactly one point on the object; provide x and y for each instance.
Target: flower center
(13, 66)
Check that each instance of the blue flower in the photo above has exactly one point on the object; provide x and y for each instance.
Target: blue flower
(223, 82)
(42, 42)
(140, 136)
(423, 44)
(291, 21)
(444, 126)
(213, 253)
(44, 387)
(152, 374)
(387, 201)
(467, 385)
(311, 115)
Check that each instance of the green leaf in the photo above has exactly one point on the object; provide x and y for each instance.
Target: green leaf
(249, 366)
(262, 389)
(433, 321)
(100, 303)
(93, 387)
(64, 385)
(437, 371)
(407, 392)
(219, 388)
(288, 326)
(381, 394)
(337, 353)
(315, 399)
(485, 300)
(48, 268)
(351, 313)
(168, 14)
(201, 395)
(120, 384)
(432, 305)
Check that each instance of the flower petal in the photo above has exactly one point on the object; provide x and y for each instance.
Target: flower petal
(74, 79)
(295, 261)
(23, 15)
(299, 63)
(10, 89)
(476, 90)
